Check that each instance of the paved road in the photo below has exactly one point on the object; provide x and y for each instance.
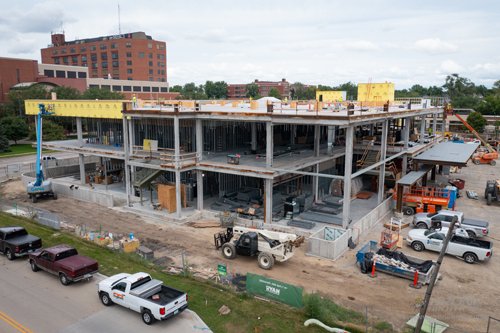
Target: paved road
(38, 303)
(32, 158)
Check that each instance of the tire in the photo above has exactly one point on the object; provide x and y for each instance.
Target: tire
(9, 254)
(34, 267)
(493, 162)
(266, 260)
(105, 299)
(489, 199)
(470, 258)
(471, 234)
(33, 198)
(476, 161)
(54, 196)
(64, 279)
(147, 317)
(418, 246)
(229, 251)
(408, 211)
(422, 225)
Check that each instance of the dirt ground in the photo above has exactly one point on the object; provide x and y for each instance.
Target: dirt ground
(464, 298)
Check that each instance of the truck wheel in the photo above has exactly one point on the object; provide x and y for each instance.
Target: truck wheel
(493, 162)
(408, 211)
(489, 199)
(229, 251)
(64, 279)
(418, 246)
(54, 196)
(33, 198)
(422, 225)
(147, 317)
(476, 161)
(105, 299)
(470, 258)
(9, 254)
(471, 234)
(34, 267)
(266, 260)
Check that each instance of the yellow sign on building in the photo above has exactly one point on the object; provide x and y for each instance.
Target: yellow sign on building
(376, 92)
(77, 108)
(330, 96)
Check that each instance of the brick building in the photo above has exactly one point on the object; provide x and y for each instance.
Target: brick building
(15, 71)
(131, 56)
(235, 91)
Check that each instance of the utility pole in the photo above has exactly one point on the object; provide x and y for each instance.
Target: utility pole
(428, 293)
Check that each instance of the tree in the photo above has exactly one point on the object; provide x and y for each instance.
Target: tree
(351, 90)
(18, 96)
(4, 142)
(176, 88)
(252, 90)
(300, 91)
(51, 131)
(67, 93)
(216, 89)
(14, 128)
(273, 92)
(477, 121)
(192, 91)
(96, 93)
(490, 105)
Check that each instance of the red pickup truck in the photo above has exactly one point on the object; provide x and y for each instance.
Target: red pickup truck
(65, 262)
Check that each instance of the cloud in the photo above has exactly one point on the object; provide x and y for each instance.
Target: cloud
(487, 71)
(434, 46)
(450, 66)
(361, 45)
(217, 36)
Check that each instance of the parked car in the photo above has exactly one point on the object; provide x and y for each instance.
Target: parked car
(460, 245)
(16, 242)
(475, 228)
(49, 158)
(140, 293)
(65, 262)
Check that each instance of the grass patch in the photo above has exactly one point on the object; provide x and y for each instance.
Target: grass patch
(20, 150)
(204, 297)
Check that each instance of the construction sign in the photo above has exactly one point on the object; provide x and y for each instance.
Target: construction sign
(150, 145)
(275, 290)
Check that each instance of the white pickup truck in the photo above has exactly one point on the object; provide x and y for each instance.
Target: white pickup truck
(139, 292)
(474, 228)
(460, 245)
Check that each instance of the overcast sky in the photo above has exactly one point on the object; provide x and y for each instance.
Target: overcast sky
(314, 42)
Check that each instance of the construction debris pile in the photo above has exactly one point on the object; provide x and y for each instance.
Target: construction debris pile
(395, 259)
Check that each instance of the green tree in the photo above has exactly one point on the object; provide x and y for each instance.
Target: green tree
(273, 92)
(252, 90)
(351, 90)
(176, 88)
(216, 89)
(490, 105)
(300, 91)
(51, 131)
(18, 96)
(14, 128)
(67, 93)
(96, 93)
(4, 142)
(477, 121)
(192, 91)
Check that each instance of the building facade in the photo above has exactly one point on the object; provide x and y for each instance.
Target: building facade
(15, 71)
(331, 96)
(375, 93)
(131, 56)
(235, 91)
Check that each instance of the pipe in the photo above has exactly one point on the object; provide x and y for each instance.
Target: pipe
(320, 324)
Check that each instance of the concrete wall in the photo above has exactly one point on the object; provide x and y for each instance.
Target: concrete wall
(369, 220)
(320, 245)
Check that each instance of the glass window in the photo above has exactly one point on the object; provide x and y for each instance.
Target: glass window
(57, 61)
(129, 78)
(137, 88)
(72, 50)
(141, 54)
(93, 57)
(92, 48)
(103, 47)
(120, 286)
(117, 88)
(94, 65)
(151, 72)
(129, 62)
(65, 60)
(113, 45)
(104, 56)
(92, 86)
(115, 63)
(71, 75)
(54, 52)
(114, 55)
(129, 70)
(155, 89)
(84, 58)
(150, 63)
(105, 87)
(150, 55)
(150, 45)
(60, 74)
(127, 88)
(146, 89)
(163, 89)
(83, 49)
(63, 51)
(104, 64)
(128, 45)
(48, 72)
(74, 59)
(82, 75)
(129, 54)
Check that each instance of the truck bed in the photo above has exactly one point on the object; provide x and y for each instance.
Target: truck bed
(166, 295)
(472, 242)
(476, 223)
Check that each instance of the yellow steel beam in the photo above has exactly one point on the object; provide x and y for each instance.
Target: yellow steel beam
(77, 108)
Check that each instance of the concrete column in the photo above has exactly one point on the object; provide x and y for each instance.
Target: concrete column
(383, 156)
(131, 136)
(126, 151)
(316, 167)
(434, 123)
(269, 144)
(199, 190)
(253, 147)
(177, 146)
(177, 149)
(346, 209)
(199, 139)
(79, 131)
(422, 129)
(81, 161)
(268, 193)
(331, 136)
(178, 202)
(406, 138)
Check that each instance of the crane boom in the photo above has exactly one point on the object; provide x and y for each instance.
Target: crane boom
(476, 134)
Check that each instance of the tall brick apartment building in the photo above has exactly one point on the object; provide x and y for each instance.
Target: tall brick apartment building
(131, 56)
(235, 91)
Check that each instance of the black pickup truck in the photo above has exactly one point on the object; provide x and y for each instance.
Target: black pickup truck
(16, 242)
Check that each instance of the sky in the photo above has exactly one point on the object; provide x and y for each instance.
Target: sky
(314, 42)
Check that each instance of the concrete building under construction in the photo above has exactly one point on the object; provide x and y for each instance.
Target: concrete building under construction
(302, 164)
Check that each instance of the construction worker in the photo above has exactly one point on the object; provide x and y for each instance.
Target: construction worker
(134, 101)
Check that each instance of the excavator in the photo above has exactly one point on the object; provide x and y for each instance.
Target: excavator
(40, 187)
(488, 157)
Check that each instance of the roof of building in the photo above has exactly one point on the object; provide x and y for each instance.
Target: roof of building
(448, 153)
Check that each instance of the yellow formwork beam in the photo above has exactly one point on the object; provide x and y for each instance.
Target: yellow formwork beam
(77, 108)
